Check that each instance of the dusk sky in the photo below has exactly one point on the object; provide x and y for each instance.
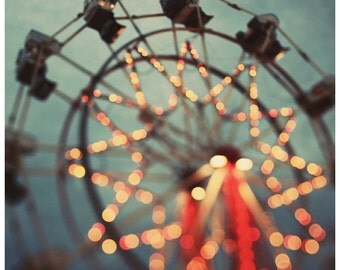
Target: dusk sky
(309, 23)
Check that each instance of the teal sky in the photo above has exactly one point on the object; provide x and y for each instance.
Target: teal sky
(310, 23)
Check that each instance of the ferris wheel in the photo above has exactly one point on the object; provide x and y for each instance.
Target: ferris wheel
(146, 136)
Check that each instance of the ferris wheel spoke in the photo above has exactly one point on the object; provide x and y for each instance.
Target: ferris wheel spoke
(63, 96)
(303, 54)
(91, 74)
(235, 6)
(72, 36)
(241, 108)
(16, 105)
(217, 126)
(62, 29)
(74, 64)
(140, 139)
(175, 38)
(130, 18)
(24, 112)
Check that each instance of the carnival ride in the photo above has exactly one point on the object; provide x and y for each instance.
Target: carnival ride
(171, 154)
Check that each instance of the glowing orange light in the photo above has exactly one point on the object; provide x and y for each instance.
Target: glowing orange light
(275, 201)
(139, 134)
(286, 111)
(85, 99)
(254, 132)
(196, 263)
(252, 73)
(154, 237)
(137, 157)
(292, 242)
(216, 90)
(276, 239)
(119, 140)
(97, 93)
(314, 169)
(279, 154)
(253, 93)
(144, 196)
(158, 244)
(119, 185)
(220, 106)
(227, 80)
(140, 99)
(109, 214)
(302, 216)
(122, 196)
(319, 182)
(96, 232)
(273, 184)
(267, 167)
(291, 193)
(198, 193)
(135, 177)
(244, 164)
(172, 231)
(317, 232)
(158, 110)
(184, 49)
(305, 188)
(291, 124)
(106, 121)
(172, 100)
(109, 246)
(99, 179)
(241, 67)
(283, 138)
(142, 51)
(241, 117)
(156, 262)
(273, 113)
(77, 170)
(115, 99)
(190, 94)
(209, 250)
(297, 162)
(218, 161)
(265, 148)
(202, 69)
(74, 153)
(176, 81)
(282, 261)
(180, 65)
(134, 78)
(158, 214)
(311, 246)
(129, 241)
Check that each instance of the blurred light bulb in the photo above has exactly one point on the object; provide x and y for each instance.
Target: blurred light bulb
(244, 164)
(218, 161)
